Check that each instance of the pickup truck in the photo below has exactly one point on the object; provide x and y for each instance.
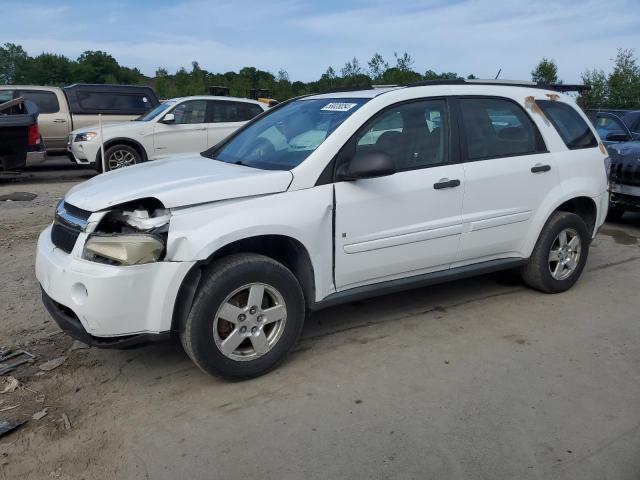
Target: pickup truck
(63, 110)
(20, 139)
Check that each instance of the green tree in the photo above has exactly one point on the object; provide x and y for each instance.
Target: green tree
(545, 72)
(598, 93)
(377, 66)
(404, 63)
(95, 67)
(48, 69)
(351, 69)
(624, 81)
(12, 63)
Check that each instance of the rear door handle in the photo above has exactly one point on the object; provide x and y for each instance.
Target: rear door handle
(539, 168)
(59, 120)
(446, 183)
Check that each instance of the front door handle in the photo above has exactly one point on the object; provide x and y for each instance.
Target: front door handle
(446, 183)
(59, 120)
(539, 168)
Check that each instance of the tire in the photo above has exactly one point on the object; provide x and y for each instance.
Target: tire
(538, 274)
(225, 291)
(120, 156)
(615, 213)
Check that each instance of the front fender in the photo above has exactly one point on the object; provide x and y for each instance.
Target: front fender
(306, 216)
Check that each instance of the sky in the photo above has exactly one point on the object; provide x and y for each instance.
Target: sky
(306, 37)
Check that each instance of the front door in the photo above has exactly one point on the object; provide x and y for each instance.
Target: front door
(186, 134)
(407, 223)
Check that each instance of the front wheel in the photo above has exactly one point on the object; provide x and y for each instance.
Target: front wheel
(246, 316)
(120, 156)
(560, 254)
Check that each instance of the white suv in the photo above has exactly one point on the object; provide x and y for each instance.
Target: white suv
(325, 199)
(179, 125)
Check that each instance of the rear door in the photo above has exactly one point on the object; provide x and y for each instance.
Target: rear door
(226, 116)
(407, 223)
(53, 119)
(187, 133)
(508, 174)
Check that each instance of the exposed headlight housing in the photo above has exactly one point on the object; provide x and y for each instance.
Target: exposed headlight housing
(134, 249)
(85, 136)
(132, 234)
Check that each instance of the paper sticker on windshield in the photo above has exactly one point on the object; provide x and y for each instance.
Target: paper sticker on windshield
(338, 107)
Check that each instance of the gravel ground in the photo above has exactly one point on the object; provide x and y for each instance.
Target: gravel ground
(481, 378)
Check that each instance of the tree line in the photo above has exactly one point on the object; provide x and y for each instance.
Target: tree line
(618, 88)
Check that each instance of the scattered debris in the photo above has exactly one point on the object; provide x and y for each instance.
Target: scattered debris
(8, 408)
(52, 364)
(77, 345)
(67, 423)
(18, 197)
(9, 360)
(10, 383)
(7, 426)
(41, 414)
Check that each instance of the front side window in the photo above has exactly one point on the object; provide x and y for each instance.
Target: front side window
(414, 135)
(284, 137)
(571, 127)
(156, 111)
(47, 102)
(606, 125)
(6, 95)
(192, 111)
(495, 128)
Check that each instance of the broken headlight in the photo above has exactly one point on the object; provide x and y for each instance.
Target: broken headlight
(129, 236)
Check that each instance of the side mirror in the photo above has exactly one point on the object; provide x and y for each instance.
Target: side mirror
(617, 137)
(168, 118)
(367, 165)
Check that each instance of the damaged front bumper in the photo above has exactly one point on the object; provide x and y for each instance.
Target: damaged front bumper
(106, 305)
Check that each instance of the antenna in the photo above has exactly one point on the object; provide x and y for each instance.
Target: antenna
(498, 74)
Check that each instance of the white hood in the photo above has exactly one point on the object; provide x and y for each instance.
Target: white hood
(109, 126)
(177, 181)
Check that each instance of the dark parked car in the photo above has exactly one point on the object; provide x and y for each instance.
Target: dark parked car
(623, 145)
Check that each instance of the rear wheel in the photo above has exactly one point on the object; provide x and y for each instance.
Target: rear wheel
(560, 254)
(120, 156)
(246, 316)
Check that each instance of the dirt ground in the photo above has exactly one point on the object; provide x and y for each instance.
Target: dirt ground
(481, 378)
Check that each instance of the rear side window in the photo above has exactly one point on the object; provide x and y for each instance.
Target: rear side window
(496, 128)
(573, 130)
(6, 95)
(111, 101)
(229, 111)
(47, 102)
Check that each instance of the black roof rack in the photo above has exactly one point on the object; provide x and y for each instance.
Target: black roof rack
(558, 87)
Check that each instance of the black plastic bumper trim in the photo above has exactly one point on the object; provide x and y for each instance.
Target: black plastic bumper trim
(70, 324)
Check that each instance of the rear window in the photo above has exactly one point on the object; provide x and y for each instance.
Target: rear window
(112, 101)
(573, 130)
(47, 102)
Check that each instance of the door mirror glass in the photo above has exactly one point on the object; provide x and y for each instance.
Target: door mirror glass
(169, 118)
(617, 137)
(368, 164)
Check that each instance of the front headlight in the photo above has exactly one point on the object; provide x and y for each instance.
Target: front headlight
(132, 234)
(133, 249)
(85, 136)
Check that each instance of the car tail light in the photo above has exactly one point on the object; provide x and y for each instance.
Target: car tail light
(34, 136)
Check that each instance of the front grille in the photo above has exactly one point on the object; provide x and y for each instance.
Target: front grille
(64, 237)
(67, 225)
(627, 173)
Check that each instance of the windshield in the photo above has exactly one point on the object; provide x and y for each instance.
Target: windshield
(156, 111)
(283, 139)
